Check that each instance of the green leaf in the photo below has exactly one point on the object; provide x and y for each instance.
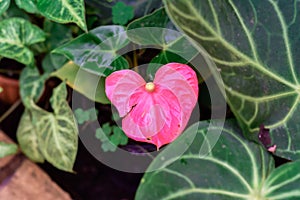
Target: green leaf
(4, 4)
(57, 34)
(83, 116)
(57, 131)
(7, 149)
(16, 35)
(53, 62)
(103, 134)
(255, 45)
(96, 51)
(156, 29)
(64, 11)
(28, 5)
(103, 9)
(86, 83)
(118, 137)
(233, 168)
(111, 137)
(28, 138)
(108, 146)
(122, 13)
(31, 85)
(14, 11)
(283, 182)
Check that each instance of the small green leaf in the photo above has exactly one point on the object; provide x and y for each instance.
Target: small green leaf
(4, 4)
(28, 138)
(7, 149)
(96, 51)
(28, 5)
(107, 128)
(122, 13)
(118, 137)
(108, 146)
(111, 137)
(31, 84)
(86, 83)
(64, 11)
(103, 134)
(57, 132)
(16, 35)
(83, 116)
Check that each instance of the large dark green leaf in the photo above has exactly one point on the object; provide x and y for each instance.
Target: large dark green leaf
(16, 35)
(96, 51)
(64, 11)
(4, 4)
(157, 30)
(86, 83)
(255, 45)
(234, 169)
(57, 131)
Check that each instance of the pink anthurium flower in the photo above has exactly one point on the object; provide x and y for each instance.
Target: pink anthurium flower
(154, 112)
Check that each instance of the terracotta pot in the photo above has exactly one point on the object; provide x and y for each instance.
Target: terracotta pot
(22, 179)
(10, 93)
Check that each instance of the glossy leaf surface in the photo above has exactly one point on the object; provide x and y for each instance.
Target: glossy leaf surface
(255, 45)
(86, 83)
(96, 51)
(234, 168)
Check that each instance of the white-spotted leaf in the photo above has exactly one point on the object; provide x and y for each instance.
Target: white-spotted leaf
(64, 11)
(28, 138)
(57, 131)
(16, 35)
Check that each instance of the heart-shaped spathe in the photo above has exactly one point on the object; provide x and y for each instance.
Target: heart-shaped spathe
(155, 112)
